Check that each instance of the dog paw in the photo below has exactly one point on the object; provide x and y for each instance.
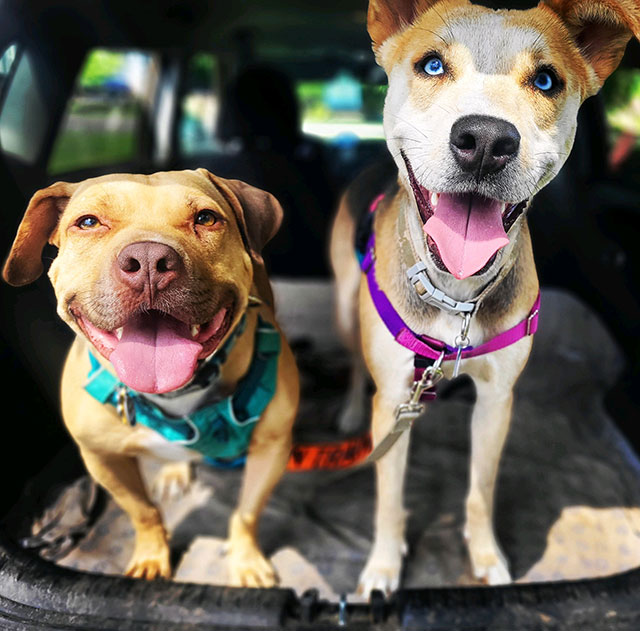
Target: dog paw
(150, 559)
(382, 572)
(248, 567)
(491, 568)
(150, 567)
(171, 482)
(384, 578)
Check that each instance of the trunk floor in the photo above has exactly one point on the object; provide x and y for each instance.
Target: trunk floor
(568, 494)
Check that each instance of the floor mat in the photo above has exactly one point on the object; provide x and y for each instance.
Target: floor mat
(568, 495)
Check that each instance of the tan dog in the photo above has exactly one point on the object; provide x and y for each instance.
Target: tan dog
(157, 273)
(480, 114)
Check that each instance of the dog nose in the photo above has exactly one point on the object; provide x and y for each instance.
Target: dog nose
(483, 144)
(148, 264)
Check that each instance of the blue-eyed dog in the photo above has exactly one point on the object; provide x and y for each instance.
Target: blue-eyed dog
(480, 114)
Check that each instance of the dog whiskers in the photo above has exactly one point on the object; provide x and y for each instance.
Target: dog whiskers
(426, 30)
(446, 23)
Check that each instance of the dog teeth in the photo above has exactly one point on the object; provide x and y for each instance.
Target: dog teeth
(118, 333)
(434, 199)
(195, 329)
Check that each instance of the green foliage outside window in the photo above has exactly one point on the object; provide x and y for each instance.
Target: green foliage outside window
(621, 94)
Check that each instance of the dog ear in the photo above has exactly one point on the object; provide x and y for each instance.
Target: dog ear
(387, 17)
(24, 263)
(258, 213)
(601, 29)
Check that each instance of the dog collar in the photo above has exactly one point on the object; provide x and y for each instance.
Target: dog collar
(220, 430)
(426, 290)
(428, 349)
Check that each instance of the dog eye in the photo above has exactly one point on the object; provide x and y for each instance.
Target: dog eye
(87, 222)
(433, 65)
(206, 218)
(545, 81)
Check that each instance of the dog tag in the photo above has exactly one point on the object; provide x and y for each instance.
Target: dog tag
(125, 407)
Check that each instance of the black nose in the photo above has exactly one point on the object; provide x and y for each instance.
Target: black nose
(483, 144)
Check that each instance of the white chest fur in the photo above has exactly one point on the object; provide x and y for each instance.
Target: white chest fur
(149, 442)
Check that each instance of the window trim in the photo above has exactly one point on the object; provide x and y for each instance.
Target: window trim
(4, 89)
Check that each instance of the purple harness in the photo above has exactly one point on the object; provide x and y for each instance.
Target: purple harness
(427, 349)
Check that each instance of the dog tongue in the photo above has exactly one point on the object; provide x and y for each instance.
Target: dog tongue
(468, 231)
(155, 353)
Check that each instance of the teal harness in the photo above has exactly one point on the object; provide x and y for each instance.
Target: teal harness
(220, 431)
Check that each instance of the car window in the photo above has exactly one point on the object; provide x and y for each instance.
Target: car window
(621, 96)
(6, 63)
(107, 117)
(199, 106)
(342, 108)
(23, 115)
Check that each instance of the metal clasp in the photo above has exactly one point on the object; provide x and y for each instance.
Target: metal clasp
(462, 341)
(430, 377)
(407, 412)
(343, 612)
(125, 407)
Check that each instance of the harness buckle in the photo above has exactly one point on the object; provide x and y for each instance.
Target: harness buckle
(431, 295)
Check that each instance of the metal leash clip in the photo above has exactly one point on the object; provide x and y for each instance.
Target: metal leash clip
(461, 342)
(407, 412)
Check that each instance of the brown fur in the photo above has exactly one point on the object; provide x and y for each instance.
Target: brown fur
(490, 59)
(223, 263)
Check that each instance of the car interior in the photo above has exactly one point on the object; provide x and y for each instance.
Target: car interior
(286, 96)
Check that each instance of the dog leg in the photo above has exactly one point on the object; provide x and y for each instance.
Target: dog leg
(489, 427)
(120, 476)
(353, 414)
(167, 481)
(347, 278)
(382, 570)
(248, 567)
(266, 462)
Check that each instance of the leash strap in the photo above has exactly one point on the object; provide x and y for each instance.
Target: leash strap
(407, 413)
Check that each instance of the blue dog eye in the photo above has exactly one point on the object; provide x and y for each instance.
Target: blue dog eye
(544, 81)
(434, 66)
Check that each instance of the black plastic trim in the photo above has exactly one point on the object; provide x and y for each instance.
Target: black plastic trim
(38, 595)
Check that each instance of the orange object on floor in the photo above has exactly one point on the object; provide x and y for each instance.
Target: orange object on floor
(330, 456)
